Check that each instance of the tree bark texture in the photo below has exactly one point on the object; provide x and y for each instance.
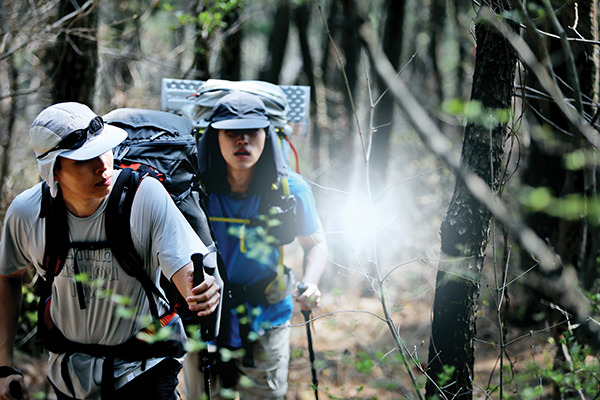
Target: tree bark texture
(74, 58)
(465, 228)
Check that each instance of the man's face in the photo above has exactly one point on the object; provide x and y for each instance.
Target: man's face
(85, 180)
(241, 148)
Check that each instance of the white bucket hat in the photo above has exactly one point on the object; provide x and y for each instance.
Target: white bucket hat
(70, 130)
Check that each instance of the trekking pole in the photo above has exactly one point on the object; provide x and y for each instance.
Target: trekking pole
(204, 326)
(311, 352)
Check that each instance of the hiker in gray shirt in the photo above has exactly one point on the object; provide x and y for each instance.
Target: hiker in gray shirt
(96, 308)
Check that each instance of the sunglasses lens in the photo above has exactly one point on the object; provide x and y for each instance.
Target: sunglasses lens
(96, 125)
(74, 140)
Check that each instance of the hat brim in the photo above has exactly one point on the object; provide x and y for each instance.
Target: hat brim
(106, 140)
(241, 123)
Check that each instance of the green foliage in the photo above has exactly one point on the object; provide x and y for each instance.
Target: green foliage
(446, 375)
(364, 364)
(536, 10)
(209, 20)
(570, 207)
(160, 335)
(296, 354)
(475, 112)
(580, 372)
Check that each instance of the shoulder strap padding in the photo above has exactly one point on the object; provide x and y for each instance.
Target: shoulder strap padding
(118, 232)
(54, 211)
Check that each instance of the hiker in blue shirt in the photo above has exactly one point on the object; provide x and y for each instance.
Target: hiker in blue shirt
(256, 204)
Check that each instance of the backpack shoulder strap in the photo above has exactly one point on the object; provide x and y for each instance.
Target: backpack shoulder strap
(118, 232)
(54, 211)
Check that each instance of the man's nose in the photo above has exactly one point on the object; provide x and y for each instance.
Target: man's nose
(101, 163)
(242, 138)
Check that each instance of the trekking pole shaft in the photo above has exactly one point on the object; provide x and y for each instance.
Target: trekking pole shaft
(197, 259)
(311, 352)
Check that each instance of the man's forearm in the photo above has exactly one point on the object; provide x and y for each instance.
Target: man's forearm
(315, 257)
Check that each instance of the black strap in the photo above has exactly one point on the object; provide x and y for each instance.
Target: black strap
(57, 232)
(108, 378)
(118, 233)
(5, 371)
(64, 373)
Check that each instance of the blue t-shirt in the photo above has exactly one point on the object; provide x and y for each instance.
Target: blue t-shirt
(248, 258)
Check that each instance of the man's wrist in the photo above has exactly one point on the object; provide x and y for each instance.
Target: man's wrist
(5, 371)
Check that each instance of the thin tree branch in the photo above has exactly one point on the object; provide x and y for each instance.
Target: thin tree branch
(50, 29)
(563, 285)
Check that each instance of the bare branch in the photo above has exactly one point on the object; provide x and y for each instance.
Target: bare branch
(50, 29)
(563, 285)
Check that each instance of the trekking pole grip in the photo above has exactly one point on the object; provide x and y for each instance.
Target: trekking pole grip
(197, 261)
(302, 286)
(198, 268)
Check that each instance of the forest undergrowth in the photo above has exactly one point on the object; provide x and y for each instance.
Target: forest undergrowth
(356, 358)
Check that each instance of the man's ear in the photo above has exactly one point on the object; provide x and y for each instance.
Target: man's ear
(57, 166)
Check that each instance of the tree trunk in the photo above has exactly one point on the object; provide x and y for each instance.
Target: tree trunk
(200, 64)
(437, 25)
(545, 166)
(8, 131)
(384, 112)
(231, 52)
(124, 40)
(301, 14)
(74, 61)
(465, 228)
(576, 241)
(277, 43)
(342, 134)
(326, 61)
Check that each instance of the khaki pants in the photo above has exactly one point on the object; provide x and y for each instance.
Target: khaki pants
(267, 380)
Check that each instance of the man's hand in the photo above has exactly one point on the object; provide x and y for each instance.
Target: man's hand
(13, 388)
(204, 298)
(309, 298)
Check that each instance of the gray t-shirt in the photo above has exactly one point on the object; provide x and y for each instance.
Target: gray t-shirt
(116, 305)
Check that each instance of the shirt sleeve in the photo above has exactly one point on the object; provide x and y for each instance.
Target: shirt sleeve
(307, 217)
(161, 229)
(22, 240)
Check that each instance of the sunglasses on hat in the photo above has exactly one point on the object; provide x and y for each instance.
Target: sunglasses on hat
(76, 139)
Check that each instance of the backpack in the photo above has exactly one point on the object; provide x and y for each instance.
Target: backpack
(162, 145)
